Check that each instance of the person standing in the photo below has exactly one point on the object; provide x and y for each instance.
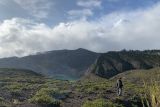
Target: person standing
(119, 86)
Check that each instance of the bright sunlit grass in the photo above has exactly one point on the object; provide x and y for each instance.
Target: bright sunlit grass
(152, 95)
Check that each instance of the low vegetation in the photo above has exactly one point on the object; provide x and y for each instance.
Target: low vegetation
(43, 96)
(100, 103)
(22, 87)
(152, 95)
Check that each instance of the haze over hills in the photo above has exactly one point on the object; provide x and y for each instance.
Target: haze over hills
(63, 64)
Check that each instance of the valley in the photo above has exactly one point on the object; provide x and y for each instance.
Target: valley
(96, 87)
(79, 53)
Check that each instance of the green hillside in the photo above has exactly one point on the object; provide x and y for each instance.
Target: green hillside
(112, 63)
(24, 88)
(100, 92)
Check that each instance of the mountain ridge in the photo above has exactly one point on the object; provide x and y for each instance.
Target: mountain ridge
(74, 64)
(112, 63)
(60, 63)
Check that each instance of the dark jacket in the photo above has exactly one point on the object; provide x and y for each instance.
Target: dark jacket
(119, 83)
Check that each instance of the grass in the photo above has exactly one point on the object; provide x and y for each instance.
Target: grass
(37, 89)
(93, 85)
(100, 103)
(49, 92)
(152, 95)
(3, 103)
(44, 96)
(22, 86)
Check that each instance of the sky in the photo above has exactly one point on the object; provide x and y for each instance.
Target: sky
(31, 26)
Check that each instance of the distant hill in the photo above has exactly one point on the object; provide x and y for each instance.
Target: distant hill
(63, 64)
(112, 63)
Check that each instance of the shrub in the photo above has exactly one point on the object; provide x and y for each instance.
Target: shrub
(44, 96)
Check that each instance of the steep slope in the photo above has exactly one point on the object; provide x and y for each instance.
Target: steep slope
(113, 63)
(93, 89)
(64, 64)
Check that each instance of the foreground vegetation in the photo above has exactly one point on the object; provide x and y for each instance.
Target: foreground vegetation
(18, 87)
(152, 95)
(27, 88)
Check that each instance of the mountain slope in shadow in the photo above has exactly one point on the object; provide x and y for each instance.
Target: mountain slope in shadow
(112, 63)
(63, 64)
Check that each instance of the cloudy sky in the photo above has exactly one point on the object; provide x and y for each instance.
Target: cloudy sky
(31, 26)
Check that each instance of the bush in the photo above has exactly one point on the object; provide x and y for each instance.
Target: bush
(44, 96)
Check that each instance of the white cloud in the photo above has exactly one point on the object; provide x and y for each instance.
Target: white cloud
(37, 8)
(87, 9)
(83, 14)
(135, 30)
(2, 2)
(89, 3)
